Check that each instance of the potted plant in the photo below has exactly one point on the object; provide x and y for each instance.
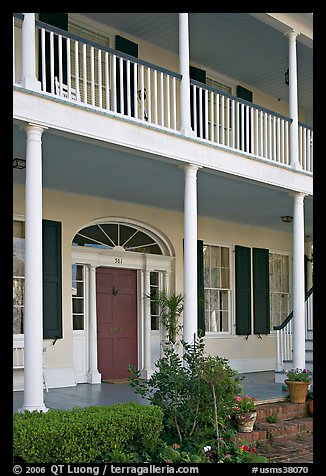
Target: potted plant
(245, 413)
(171, 308)
(298, 381)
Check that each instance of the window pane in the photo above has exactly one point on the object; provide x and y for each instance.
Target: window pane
(18, 291)
(18, 314)
(78, 322)
(225, 257)
(154, 323)
(215, 256)
(225, 283)
(215, 278)
(78, 305)
(80, 289)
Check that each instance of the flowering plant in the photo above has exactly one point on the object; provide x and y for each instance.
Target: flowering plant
(299, 375)
(245, 404)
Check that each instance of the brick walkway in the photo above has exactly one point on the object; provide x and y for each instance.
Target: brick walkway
(299, 450)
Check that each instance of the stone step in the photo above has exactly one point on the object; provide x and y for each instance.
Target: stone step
(281, 411)
(291, 420)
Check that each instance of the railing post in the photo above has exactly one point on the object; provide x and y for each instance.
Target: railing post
(278, 363)
(185, 122)
(29, 80)
(293, 101)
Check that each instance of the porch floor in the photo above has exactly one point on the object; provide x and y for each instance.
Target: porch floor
(260, 385)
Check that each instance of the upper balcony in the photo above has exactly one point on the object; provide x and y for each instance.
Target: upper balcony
(99, 78)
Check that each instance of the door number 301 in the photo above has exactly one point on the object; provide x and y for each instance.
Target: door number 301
(118, 260)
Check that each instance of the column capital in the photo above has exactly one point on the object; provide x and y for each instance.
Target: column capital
(298, 195)
(190, 167)
(33, 126)
(291, 34)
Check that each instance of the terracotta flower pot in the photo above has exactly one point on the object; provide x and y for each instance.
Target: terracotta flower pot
(245, 421)
(297, 391)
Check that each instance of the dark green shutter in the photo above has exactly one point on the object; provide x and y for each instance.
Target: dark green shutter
(130, 48)
(243, 290)
(198, 75)
(201, 290)
(52, 281)
(60, 20)
(261, 291)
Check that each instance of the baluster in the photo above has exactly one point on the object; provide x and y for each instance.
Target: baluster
(217, 118)
(99, 73)
(68, 67)
(174, 103)
(43, 59)
(85, 72)
(52, 62)
(162, 98)
(77, 71)
(92, 77)
(149, 96)
(114, 82)
(222, 120)
(128, 91)
(107, 83)
(167, 82)
(155, 97)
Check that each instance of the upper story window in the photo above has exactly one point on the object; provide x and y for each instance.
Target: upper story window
(18, 276)
(217, 285)
(117, 237)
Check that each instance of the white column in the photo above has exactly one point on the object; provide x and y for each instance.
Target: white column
(185, 122)
(93, 375)
(147, 370)
(33, 297)
(293, 100)
(29, 79)
(298, 282)
(190, 254)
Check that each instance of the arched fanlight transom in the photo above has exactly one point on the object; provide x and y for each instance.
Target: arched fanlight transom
(117, 237)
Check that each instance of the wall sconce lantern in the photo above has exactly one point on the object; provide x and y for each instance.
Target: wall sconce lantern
(19, 163)
(287, 219)
(286, 77)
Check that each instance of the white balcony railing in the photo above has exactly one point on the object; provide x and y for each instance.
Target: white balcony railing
(103, 78)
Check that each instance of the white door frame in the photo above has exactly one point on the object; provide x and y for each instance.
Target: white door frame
(141, 262)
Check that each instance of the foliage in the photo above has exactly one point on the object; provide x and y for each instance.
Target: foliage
(245, 404)
(82, 435)
(271, 419)
(171, 308)
(183, 390)
(299, 375)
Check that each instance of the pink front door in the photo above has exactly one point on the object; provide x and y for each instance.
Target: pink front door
(116, 321)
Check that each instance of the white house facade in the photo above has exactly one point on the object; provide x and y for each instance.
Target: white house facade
(159, 151)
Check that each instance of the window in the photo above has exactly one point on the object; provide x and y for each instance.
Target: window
(154, 290)
(18, 276)
(116, 236)
(78, 297)
(279, 285)
(217, 288)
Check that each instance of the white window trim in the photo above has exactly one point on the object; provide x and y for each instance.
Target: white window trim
(231, 321)
(18, 338)
(290, 255)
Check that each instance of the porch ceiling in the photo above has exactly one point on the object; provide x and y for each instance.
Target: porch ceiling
(88, 168)
(224, 42)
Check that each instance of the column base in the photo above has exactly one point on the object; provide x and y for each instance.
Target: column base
(146, 373)
(33, 408)
(94, 377)
(188, 132)
(296, 166)
(31, 83)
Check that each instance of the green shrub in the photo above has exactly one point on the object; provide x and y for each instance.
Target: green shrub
(196, 397)
(83, 435)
